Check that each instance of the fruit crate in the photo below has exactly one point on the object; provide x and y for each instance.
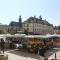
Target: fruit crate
(3, 57)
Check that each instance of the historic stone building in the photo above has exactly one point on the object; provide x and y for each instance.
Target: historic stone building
(4, 28)
(37, 26)
(15, 26)
(32, 25)
(57, 30)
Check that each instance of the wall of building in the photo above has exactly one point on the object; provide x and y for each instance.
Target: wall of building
(37, 28)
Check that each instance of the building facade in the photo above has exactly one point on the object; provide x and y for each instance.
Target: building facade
(57, 30)
(37, 26)
(8, 29)
(4, 28)
(33, 25)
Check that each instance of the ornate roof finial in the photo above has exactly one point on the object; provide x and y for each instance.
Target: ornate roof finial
(40, 17)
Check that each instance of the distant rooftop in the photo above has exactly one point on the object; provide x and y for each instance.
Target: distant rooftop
(37, 20)
(13, 23)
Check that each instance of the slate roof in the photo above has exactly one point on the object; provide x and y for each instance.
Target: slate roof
(37, 20)
(13, 23)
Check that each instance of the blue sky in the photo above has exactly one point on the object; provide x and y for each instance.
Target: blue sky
(11, 9)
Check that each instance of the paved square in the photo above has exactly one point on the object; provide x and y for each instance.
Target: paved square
(24, 55)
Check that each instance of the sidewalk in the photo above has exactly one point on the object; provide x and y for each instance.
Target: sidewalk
(18, 55)
(57, 54)
(23, 55)
(53, 56)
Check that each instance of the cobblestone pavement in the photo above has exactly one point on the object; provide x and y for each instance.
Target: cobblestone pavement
(22, 55)
(57, 51)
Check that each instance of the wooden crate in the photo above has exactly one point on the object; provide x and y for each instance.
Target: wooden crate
(3, 57)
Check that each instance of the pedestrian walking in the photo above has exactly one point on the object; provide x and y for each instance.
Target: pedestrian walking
(42, 52)
(2, 45)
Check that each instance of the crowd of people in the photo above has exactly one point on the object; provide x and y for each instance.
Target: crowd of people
(41, 50)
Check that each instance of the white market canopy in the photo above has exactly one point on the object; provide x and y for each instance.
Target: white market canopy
(37, 36)
(41, 36)
(29, 36)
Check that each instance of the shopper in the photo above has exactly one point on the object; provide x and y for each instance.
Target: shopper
(2, 45)
(42, 52)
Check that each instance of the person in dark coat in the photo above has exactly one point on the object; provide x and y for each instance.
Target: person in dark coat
(41, 51)
(2, 45)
